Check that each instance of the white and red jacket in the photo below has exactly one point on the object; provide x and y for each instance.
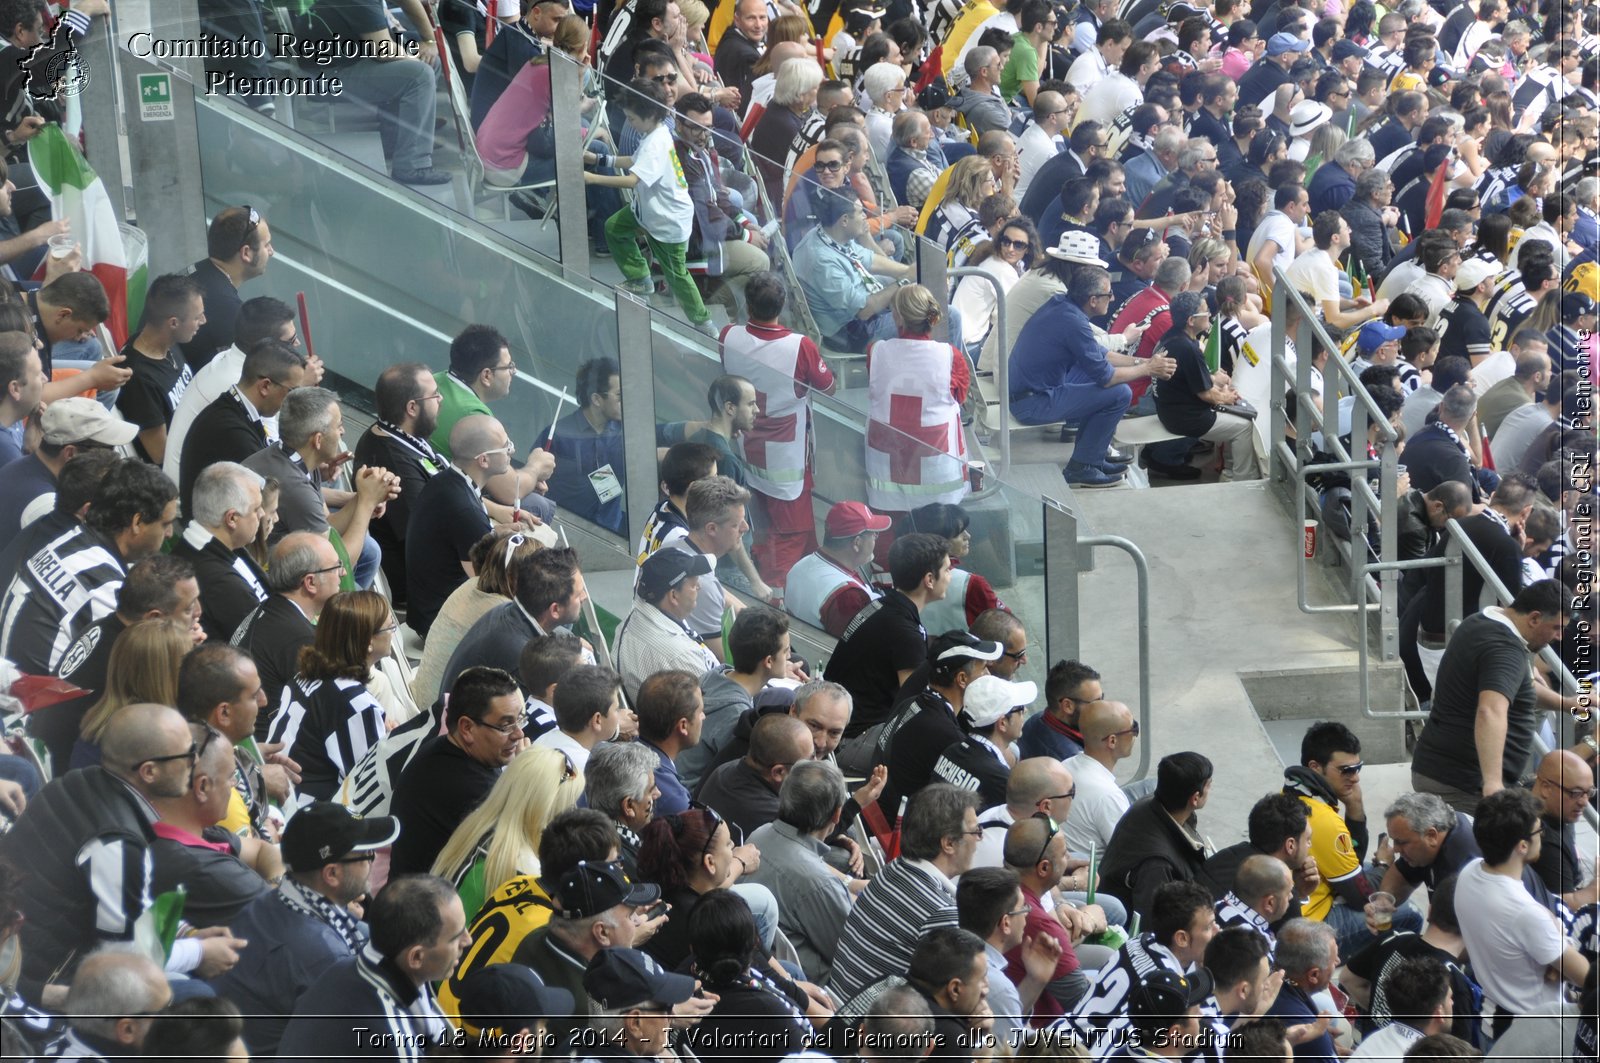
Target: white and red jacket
(783, 366)
(916, 452)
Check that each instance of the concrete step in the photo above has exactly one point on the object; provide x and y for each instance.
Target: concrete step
(1223, 620)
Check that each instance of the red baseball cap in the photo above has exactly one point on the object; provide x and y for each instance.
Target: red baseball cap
(846, 520)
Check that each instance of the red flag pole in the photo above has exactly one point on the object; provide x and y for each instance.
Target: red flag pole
(490, 26)
(305, 324)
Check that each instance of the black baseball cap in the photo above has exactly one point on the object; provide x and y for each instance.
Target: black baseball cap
(508, 998)
(1163, 994)
(592, 887)
(959, 645)
(625, 978)
(324, 833)
(668, 567)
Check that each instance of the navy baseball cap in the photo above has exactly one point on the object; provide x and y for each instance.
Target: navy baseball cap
(626, 978)
(1576, 304)
(591, 888)
(668, 567)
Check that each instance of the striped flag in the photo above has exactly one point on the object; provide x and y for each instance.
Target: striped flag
(79, 196)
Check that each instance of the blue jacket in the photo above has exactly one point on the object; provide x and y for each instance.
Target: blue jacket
(1586, 234)
(579, 451)
(1331, 187)
(1040, 739)
(1056, 347)
(286, 954)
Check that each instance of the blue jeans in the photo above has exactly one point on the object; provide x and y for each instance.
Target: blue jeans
(1095, 409)
(24, 774)
(365, 568)
(1116, 911)
(1349, 925)
(764, 906)
(1170, 452)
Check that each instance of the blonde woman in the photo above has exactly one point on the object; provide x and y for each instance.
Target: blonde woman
(913, 371)
(494, 558)
(328, 719)
(500, 838)
(143, 668)
(955, 224)
(1210, 260)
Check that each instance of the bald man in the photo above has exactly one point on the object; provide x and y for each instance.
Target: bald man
(1564, 784)
(1109, 734)
(85, 841)
(1261, 898)
(115, 994)
(745, 792)
(450, 517)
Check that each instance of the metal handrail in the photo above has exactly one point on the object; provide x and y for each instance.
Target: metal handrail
(1141, 568)
(1003, 373)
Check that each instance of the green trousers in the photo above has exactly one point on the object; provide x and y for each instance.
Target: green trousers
(622, 236)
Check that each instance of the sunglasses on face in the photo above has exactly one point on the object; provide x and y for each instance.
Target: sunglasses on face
(665, 79)
(1020, 245)
(831, 167)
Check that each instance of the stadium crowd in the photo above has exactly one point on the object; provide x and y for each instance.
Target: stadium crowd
(332, 764)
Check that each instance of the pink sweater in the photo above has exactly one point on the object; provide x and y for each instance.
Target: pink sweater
(521, 108)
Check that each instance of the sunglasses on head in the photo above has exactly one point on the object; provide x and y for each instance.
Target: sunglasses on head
(1054, 829)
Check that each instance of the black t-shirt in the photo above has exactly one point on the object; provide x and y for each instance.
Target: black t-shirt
(151, 395)
(508, 53)
(973, 766)
(433, 795)
(341, 19)
(221, 300)
(445, 524)
(415, 469)
(1558, 865)
(223, 431)
(273, 636)
(1464, 331)
(885, 638)
(1458, 849)
(1371, 962)
(911, 744)
(1483, 654)
(1178, 401)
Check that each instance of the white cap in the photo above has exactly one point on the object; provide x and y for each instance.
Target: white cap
(989, 697)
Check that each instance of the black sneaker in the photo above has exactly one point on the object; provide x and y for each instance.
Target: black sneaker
(1117, 457)
(1169, 472)
(428, 175)
(534, 203)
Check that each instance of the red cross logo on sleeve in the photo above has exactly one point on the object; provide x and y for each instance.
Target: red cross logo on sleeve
(906, 440)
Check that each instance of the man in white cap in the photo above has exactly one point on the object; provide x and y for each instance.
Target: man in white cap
(1463, 327)
(825, 588)
(69, 426)
(992, 715)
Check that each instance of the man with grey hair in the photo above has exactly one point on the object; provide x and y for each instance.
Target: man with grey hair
(1333, 185)
(1195, 157)
(916, 160)
(1143, 172)
(1586, 233)
(1308, 953)
(813, 898)
(1372, 219)
(915, 893)
(304, 574)
(224, 517)
(897, 1026)
(449, 517)
(308, 453)
(1444, 450)
(1431, 840)
(113, 998)
(620, 780)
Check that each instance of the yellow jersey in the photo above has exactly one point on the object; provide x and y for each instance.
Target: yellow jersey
(1334, 852)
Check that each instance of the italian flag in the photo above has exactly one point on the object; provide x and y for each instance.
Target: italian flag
(78, 195)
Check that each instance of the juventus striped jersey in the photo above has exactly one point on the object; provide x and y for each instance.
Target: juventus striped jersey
(57, 593)
(1100, 1019)
(327, 727)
